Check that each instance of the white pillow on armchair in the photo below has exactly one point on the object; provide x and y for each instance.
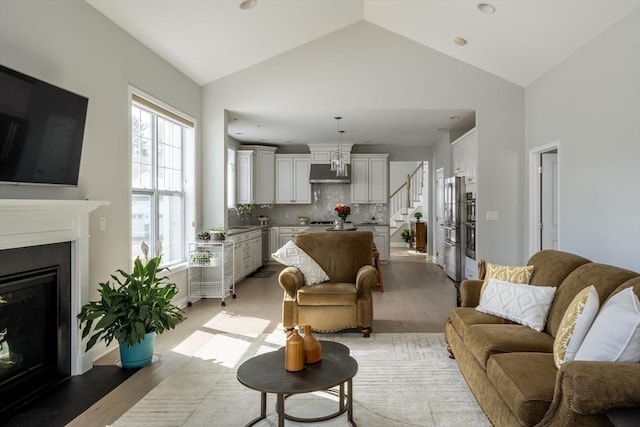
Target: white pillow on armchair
(292, 256)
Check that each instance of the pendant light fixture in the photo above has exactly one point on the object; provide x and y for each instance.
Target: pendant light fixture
(337, 158)
(341, 169)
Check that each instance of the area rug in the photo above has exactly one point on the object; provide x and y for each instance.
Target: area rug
(403, 379)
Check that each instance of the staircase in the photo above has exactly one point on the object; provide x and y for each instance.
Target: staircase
(406, 200)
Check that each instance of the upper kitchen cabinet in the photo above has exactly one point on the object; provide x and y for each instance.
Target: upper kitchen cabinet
(369, 178)
(292, 179)
(322, 153)
(255, 175)
(465, 156)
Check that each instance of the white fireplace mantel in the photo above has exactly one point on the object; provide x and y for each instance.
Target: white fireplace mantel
(30, 222)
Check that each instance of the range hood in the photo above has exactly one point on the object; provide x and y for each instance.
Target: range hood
(322, 174)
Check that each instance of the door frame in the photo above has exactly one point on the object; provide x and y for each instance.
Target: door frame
(436, 225)
(534, 194)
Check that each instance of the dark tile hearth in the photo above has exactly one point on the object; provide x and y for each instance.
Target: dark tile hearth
(69, 399)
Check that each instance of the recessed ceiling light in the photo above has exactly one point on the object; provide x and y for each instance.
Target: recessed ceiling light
(248, 4)
(460, 41)
(487, 8)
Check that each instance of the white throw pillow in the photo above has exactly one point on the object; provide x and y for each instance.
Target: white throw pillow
(524, 304)
(575, 324)
(291, 255)
(615, 334)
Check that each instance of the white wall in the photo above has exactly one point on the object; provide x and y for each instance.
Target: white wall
(590, 104)
(71, 45)
(365, 66)
(398, 172)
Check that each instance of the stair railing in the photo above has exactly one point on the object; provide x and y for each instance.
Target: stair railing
(401, 200)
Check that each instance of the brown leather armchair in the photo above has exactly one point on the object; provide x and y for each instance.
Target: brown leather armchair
(345, 300)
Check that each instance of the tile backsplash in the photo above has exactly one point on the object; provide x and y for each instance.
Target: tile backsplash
(324, 198)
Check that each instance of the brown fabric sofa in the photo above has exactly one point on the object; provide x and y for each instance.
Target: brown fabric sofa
(510, 368)
(345, 300)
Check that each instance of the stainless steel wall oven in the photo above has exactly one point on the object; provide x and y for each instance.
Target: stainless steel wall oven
(470, 225)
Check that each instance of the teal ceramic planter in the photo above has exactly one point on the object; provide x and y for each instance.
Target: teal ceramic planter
(139, 354)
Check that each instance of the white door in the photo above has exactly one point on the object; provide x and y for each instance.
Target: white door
(549, 200)
(439, 243)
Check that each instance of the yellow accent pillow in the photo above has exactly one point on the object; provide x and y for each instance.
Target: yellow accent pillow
(575, 324)
(507, 273)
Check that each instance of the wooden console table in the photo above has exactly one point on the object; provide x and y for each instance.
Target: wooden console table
(420, 232)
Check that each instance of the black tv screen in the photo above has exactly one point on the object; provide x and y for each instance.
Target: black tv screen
(41, 131)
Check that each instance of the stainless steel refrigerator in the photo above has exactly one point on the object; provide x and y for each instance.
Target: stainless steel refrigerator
(453, 199)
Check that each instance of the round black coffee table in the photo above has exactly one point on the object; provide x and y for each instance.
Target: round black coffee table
(266, 374)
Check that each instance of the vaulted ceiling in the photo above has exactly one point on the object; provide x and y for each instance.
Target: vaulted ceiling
(210, 39)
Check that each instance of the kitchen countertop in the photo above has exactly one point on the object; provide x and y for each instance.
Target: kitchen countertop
(243, 229)
(247, 228)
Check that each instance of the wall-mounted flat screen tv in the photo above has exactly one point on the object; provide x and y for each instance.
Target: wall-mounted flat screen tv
(41, 131)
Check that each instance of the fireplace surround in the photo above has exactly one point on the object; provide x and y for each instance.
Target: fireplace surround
(26, 223)
(35, 314)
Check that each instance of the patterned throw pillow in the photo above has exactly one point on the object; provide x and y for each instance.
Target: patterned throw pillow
(507, 273)
(615, 334)
(524, 304)
(575, 324)
(292, 256)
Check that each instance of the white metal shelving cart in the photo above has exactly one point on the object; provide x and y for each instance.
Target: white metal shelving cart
(211, 271)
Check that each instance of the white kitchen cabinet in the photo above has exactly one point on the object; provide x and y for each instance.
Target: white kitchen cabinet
(292, 179)
(244, 176)
(256, 253)
(248, 253)
(459, 153)
(380, 238)
(274, 239)
(286, 233)
(465, 156)
(369, 178)
(240, 257)
(322, 153)
(255, 175)
(472, 159)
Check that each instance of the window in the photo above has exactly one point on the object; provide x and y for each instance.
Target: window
(159, 145)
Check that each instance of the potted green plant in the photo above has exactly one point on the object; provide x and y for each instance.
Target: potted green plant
(204, 236)
(407, 236)
(417, 216)
(132, 310)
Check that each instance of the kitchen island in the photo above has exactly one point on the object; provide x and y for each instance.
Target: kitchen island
(280, 234)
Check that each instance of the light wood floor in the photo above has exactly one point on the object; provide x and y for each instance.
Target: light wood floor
(417, 298)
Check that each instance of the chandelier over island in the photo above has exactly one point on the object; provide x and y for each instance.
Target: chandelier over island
(338, 161)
